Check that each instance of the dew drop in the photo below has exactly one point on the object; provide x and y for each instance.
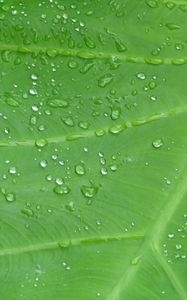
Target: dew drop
(62, 190)
(157, 143)
(152, 3)
(99, 132)
(10, 197)
(115, 113)
(120, 46)
(12, 170)
(43, 163)
(172, 26)
(117, 128)
(89, 42)
(89, 191)
(141, 76)
(105, 80)
(41, 143)
(12, 102)
(104, 171)
(68, 121)
(178, 246)
(80, 169)
(57, 103)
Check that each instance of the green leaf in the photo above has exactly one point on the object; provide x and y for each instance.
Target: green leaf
(93, 150)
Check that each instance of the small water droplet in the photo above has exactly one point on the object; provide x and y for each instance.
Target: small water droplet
(178, 246)
(12, 170)
(140, 76)
(57, 103)
(10, 197)
(41, 142)
(62, 190)
(89, 42)
(68, 121)
(120, 46)
(80, 169)
(157, 143)
(43, 163)
(89, 191)
(105, 80)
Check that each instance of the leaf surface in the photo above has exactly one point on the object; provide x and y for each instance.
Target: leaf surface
(93, 157)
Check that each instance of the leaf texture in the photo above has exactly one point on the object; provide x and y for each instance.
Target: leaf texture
(93, 118)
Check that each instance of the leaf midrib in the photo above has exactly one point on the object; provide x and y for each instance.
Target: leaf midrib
(69, 243)
(85, 54)
(91, 133)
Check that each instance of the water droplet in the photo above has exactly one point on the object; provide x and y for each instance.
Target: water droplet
(104, 171)
(105, 80)
(68, 121)
(12, 170)
(117, 128)
(57, 103)
(89, 191)
(89, 42)
(84, 69)
(33, 120)
(12, 102)
(41, 142)
(140, 76)
(152, 3)
(115, 113)
(99, 132)
(171, 235)
(43, 163)
(80, 169)
(33, 92)
(152, 85)
(34, 77)
(83, 125)
(170, 5)
(27, 211)
(178, 246)
(62, 190)
(172, 26)
(72, 64)
(70, 206)
(157, 143)
(10, 197)
(120, 45)
(113, 167)
(59, 181)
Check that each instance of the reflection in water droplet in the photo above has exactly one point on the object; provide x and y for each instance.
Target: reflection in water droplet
(157, 143)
